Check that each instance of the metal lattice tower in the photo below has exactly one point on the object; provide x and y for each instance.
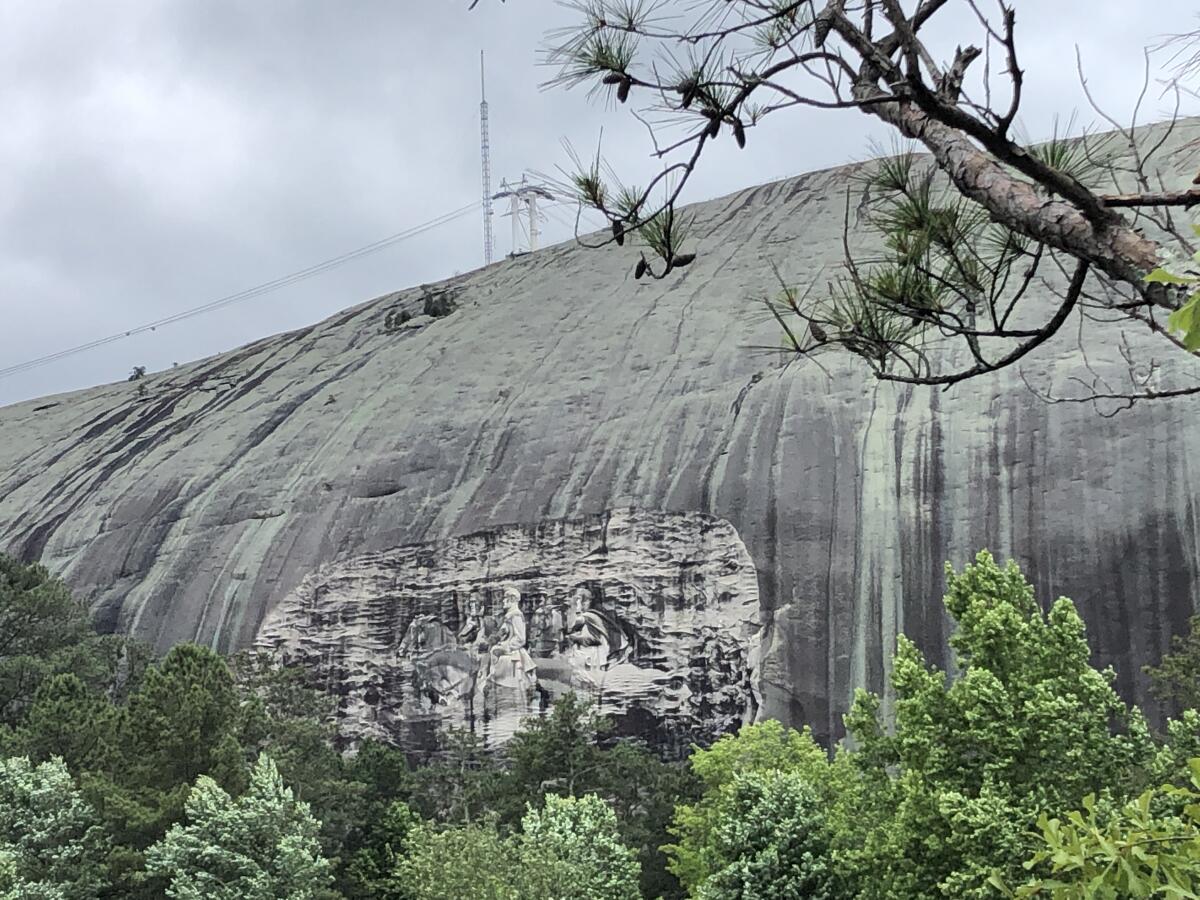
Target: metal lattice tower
(523, 194)
(486, 158)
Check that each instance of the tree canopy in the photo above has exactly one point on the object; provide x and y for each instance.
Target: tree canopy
(1018, 771)
(258, 846)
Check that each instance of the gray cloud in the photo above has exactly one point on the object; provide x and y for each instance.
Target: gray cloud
(158, 155)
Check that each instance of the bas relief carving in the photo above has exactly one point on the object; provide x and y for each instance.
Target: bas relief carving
(653, 616)
(499, 662)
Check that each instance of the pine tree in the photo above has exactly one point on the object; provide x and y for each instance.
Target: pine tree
(46, 631)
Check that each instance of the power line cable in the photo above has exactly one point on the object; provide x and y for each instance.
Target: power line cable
(247, 294)
(557, 218)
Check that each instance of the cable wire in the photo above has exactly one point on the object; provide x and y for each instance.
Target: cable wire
(257, 290)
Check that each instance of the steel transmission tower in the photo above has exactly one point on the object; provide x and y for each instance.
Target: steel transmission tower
(523, 194)
(485, 156)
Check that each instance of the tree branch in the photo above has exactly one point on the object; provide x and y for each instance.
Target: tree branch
(1051, 328)
(1115, 250)
(1186, 199)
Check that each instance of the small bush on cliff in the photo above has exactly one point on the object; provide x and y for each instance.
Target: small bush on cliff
(439, 303)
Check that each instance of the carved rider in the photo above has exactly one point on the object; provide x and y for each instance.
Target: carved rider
(478, 628)
(512, 666)
(548, 632)
(596, 640)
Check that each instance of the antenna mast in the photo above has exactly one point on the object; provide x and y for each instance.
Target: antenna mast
(486, 159)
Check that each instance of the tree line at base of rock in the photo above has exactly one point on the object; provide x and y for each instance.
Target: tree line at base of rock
(191, 775)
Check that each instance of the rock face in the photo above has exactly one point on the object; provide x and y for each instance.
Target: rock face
(654, 616)
(561, 388)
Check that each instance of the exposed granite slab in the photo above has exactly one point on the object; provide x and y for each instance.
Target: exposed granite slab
(561, 388)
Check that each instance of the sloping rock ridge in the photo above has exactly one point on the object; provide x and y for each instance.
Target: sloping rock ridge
(653, 616)
(557, 387)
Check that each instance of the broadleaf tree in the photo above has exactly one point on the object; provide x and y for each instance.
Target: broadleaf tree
(951, 791)
(584, 856)
(1147, 847)
(764, 748)
(773, 843)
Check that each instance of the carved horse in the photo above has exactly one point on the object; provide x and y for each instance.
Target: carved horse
(443, 671)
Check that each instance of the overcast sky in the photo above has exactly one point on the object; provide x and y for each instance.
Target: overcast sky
(158, 154)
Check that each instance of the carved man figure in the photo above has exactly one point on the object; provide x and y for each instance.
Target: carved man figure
(478, 628)
(475, 638)
(587, 634)
(442, 672)
(596, 641)
(512, 666)
(548, 631)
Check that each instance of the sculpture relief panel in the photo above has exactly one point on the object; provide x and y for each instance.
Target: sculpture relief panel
(654, 616)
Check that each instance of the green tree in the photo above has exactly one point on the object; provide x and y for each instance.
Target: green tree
(579, 836)
(1026, 724)
(50, 838)
(9, 876)
(184, 720)
(376, 842)
(138, 732)
(67, 719)
(259, 846)
(282, 716)
(772, 842)
(558, 753)
(385, 774)
(462, 784)
(44, 631)
(371, 871)
(763, 748)
(570, 847)
(1134, 851)
(1176, 678)
(644, 792)
(473, 861)
(1179, 746)
(567, 753)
